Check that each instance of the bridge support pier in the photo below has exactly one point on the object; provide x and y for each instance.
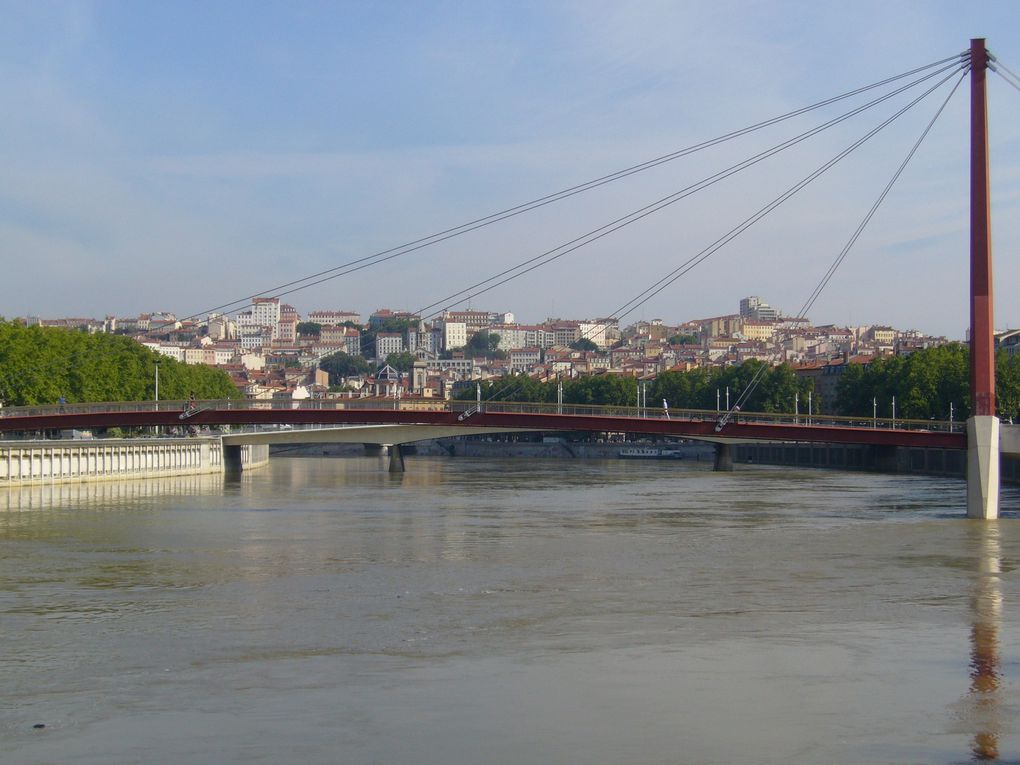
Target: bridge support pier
(723, 458)
(983, 467)
(231, 461)
(396, 459)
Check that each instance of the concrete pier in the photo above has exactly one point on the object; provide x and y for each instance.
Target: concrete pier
(723, 458)
(396, 459)
(983, 467)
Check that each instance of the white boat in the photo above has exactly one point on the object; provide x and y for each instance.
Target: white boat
(650, 453)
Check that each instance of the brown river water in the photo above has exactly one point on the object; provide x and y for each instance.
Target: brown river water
(508, 611)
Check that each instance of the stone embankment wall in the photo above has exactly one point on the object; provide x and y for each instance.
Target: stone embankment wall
(27, 462)
(470, 447)
(917, 461)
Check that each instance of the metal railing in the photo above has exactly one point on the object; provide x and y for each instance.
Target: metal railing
(470, 408)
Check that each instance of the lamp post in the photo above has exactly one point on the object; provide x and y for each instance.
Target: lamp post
(157, 385)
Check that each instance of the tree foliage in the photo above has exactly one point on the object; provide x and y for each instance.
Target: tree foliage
(684, 339)
(309, 328)
(402, 361)
(389, 324)
(584, 344)
(775, 391)
(607, 390)
(696, 389)
(484, 344)
(39, 365)
(925, 383)
(339, 365)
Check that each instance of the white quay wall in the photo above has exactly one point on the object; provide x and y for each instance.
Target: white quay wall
(27, 462)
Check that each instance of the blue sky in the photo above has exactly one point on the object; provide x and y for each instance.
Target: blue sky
(174, 156)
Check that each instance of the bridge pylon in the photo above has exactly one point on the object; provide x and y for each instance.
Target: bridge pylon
(983, 426)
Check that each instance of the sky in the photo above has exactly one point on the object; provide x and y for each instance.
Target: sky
(180, 156)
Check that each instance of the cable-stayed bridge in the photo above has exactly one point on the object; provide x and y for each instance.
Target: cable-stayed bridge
(982, 437)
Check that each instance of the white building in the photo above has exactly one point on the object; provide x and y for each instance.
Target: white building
(523, 359)
(265, 311)
(454, 335)
(594, 331)
(387, 343)
(510, 336)
(334, 318)
(174, 352)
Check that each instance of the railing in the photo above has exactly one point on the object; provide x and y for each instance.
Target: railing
(470, 408)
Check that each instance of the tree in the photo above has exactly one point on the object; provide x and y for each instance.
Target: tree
(309, 328)
(775, 388)
(389, 324)
(513, 388)
(340, 365)
(602, 390)
(924, 384)
(39, 365)
(684, 339)
(484, 344)
(402, 361)
(1007, 385)
(584, 344)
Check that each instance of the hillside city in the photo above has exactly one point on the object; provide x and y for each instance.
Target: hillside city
(272, 352)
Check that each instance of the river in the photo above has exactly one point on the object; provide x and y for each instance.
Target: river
(507, 611)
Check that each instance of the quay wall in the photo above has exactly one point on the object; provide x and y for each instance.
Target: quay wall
(910, 460)
(63, 461)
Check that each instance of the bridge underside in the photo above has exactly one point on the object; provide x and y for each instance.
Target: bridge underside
(383, 435)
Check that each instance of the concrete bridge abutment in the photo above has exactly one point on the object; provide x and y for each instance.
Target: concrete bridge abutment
(983, 467)
(231, 461)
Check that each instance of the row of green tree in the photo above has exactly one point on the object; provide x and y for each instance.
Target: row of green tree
(700, 388)
(925, 384)
(41, 365)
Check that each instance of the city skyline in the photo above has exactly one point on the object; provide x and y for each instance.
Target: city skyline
(184, 156)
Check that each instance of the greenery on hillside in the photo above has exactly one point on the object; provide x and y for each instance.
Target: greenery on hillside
(389, 324)
(38, 365)
(340, 365)
(401, 361)
(484, 344)
(684, 339)
(584, 344)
